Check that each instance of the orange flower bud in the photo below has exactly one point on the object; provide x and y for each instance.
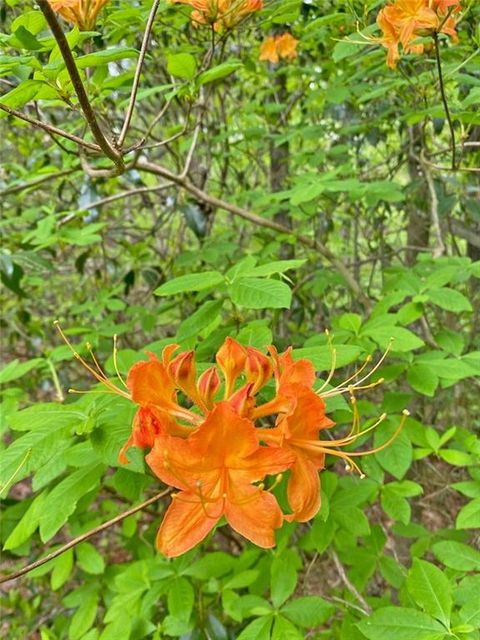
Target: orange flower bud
(258, 368)
(231, 359)
(208, 385)
(243, 400)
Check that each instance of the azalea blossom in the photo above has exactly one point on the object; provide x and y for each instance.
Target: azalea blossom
(216, 437)
(82, 13)
(275, 48)
(221, 14)
(404, 21)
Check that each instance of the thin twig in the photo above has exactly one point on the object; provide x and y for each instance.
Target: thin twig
(439, 250)
(113, 198)
(138, 72)
(444, 99)
(105, 145)
(83, 537)
(50, 128)
(353, 590)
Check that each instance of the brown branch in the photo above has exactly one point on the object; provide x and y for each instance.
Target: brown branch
(83, 537)
(48, 127)
(202, 196)
(105, 145)
(444, 100)
(138, 72)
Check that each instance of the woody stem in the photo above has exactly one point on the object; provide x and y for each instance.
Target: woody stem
(444, 100)
(105, 145)
(85, 536)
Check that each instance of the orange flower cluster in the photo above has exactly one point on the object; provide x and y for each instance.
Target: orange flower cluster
(82, 13)
(216, 438)
(406, 20)
(275, 48)
(222, 14)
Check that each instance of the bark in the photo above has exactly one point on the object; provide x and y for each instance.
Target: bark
(418, 226)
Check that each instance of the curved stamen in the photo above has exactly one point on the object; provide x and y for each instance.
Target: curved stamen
(115, 361)
(98, 375)
(333, 353)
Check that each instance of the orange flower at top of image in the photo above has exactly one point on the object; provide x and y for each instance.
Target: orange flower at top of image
(221, 14)
(216, 437)
(279, 47)
(81, 13)
(404, 21)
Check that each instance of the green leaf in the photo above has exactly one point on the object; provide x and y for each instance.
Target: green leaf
(322, 357)
(242, 579)
(218, 72)
(62, 500)
(259, 629)
(190, 282)
(283, 576)
(457, 555)
(283, 629)
(180, 599)
(395, 505)
(89, 559)
(397, 457)
(201, 318)
(449, 299)
(257, 293)
(48, 414)
(423, 378)
(398, 623)
(62, 569)
(469, 516)
(182, 65)
(84, 616)
(403, 339)
(27, 524)
(19, 96)
(430, 589)
(310, 611)
(16, 369)
(104, 56)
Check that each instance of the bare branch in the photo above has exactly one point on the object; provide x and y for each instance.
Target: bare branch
(50, 128)
(353, 590)
(138, 72)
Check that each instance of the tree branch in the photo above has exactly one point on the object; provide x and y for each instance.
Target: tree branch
(37, 181)
(50, 128)
(83, 537)
(444, 100)
(138, 72)
(105, 145)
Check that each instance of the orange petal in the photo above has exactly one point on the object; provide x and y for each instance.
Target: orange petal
(254, 514)
(304, 489)
(149, 382)
(186, 523)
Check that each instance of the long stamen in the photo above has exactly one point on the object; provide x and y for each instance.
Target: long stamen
(115, 362)
(333, 353)
(98, 375)
(340, 390)
(368, 359)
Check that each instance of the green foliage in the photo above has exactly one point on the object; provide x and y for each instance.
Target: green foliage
(279, 185)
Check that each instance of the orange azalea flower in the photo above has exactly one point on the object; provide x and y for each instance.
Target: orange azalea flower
(406, 20)
(222, 14)
(214, 450)
(82, 13)
(275, 48)
(215, 469)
